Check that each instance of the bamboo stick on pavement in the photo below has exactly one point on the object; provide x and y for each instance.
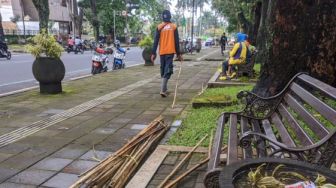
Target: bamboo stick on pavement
(171, 184)
(182, 162)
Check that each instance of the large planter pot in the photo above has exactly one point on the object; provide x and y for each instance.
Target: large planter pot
(146, 55)
(235, 175)
(50, 73)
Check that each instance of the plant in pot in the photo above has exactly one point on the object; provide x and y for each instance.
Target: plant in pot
(47, 68)
(147, 44)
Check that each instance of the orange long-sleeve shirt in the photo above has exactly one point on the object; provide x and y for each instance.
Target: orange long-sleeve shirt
(167, 38)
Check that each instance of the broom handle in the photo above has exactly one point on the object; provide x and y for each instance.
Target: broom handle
(178, 76)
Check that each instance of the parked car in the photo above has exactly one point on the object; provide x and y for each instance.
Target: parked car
(209, 42)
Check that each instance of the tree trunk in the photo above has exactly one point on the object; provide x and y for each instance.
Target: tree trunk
(244, 23)
(42, 7)
(2, 34)
(95, 22)
(301, 36)
(256, 22)
(262, 34)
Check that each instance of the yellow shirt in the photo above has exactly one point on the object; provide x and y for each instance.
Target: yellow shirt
(234, 60)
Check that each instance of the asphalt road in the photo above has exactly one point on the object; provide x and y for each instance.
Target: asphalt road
(17, 74)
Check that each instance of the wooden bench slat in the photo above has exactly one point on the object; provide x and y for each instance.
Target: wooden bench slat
(233, 140)
(325, 88)
(316, 103)
(301, 134)
(269, 131)
(247, 153)
(261, 150)
(318, 128)
(285, 137)
(217, 144)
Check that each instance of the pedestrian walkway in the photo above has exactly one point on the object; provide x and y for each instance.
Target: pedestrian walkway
(48, 141)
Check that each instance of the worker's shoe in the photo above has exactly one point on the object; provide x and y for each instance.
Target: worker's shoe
(164, 94)
(233, 75)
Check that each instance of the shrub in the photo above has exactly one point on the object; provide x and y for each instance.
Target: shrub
(44, 44)
(146, 42)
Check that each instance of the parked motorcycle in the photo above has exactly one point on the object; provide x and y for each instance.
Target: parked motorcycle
(190, 48)
(99, 63)
(119, 56)
(75, 49)
(4, 52)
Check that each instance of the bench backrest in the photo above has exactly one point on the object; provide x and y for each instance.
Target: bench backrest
(308, 109)
(306, 114)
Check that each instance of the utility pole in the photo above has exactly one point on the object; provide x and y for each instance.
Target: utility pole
(23, 21)
(192, 25)
(74, 18)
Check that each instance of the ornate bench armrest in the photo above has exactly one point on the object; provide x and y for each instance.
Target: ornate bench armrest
(322, 152)
(246, 140)
(258, 107)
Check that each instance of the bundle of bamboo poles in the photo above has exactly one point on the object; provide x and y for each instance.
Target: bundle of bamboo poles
(115, 170)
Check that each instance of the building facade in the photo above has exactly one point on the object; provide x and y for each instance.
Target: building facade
(59, 16)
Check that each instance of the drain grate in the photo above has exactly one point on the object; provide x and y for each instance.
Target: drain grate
(42, 124)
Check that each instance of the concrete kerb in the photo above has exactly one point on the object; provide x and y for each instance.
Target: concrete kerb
(86, 76)
(71, 79)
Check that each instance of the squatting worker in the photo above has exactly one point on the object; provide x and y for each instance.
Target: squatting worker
(167, 38)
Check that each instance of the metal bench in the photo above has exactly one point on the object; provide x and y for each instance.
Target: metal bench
(246, 69)
(298, 123)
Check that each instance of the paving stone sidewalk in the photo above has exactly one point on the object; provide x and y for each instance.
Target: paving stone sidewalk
(193, 180)
(56, 155)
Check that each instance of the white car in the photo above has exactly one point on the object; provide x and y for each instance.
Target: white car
(209, 42)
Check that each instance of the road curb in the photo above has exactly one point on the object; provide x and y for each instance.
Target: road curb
(35, 87)
(17, 91)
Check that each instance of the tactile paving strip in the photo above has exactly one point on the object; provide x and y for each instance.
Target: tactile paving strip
(42, 124)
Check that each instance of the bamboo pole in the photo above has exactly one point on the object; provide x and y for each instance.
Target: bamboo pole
(114, 170)
(129, 145)
(181, 163)
(210, 144)
(171, 184)
(178, 76)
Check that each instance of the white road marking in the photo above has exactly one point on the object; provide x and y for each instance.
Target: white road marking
(19, 82)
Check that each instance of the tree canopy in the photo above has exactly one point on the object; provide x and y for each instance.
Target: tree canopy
(135, 17)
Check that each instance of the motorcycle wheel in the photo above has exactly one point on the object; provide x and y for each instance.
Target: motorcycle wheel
(69, 51)
(82, 51)
(123, 66)
(9, 55)
(95, 70)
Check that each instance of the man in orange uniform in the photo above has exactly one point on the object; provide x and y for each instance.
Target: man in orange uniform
(167, 36)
